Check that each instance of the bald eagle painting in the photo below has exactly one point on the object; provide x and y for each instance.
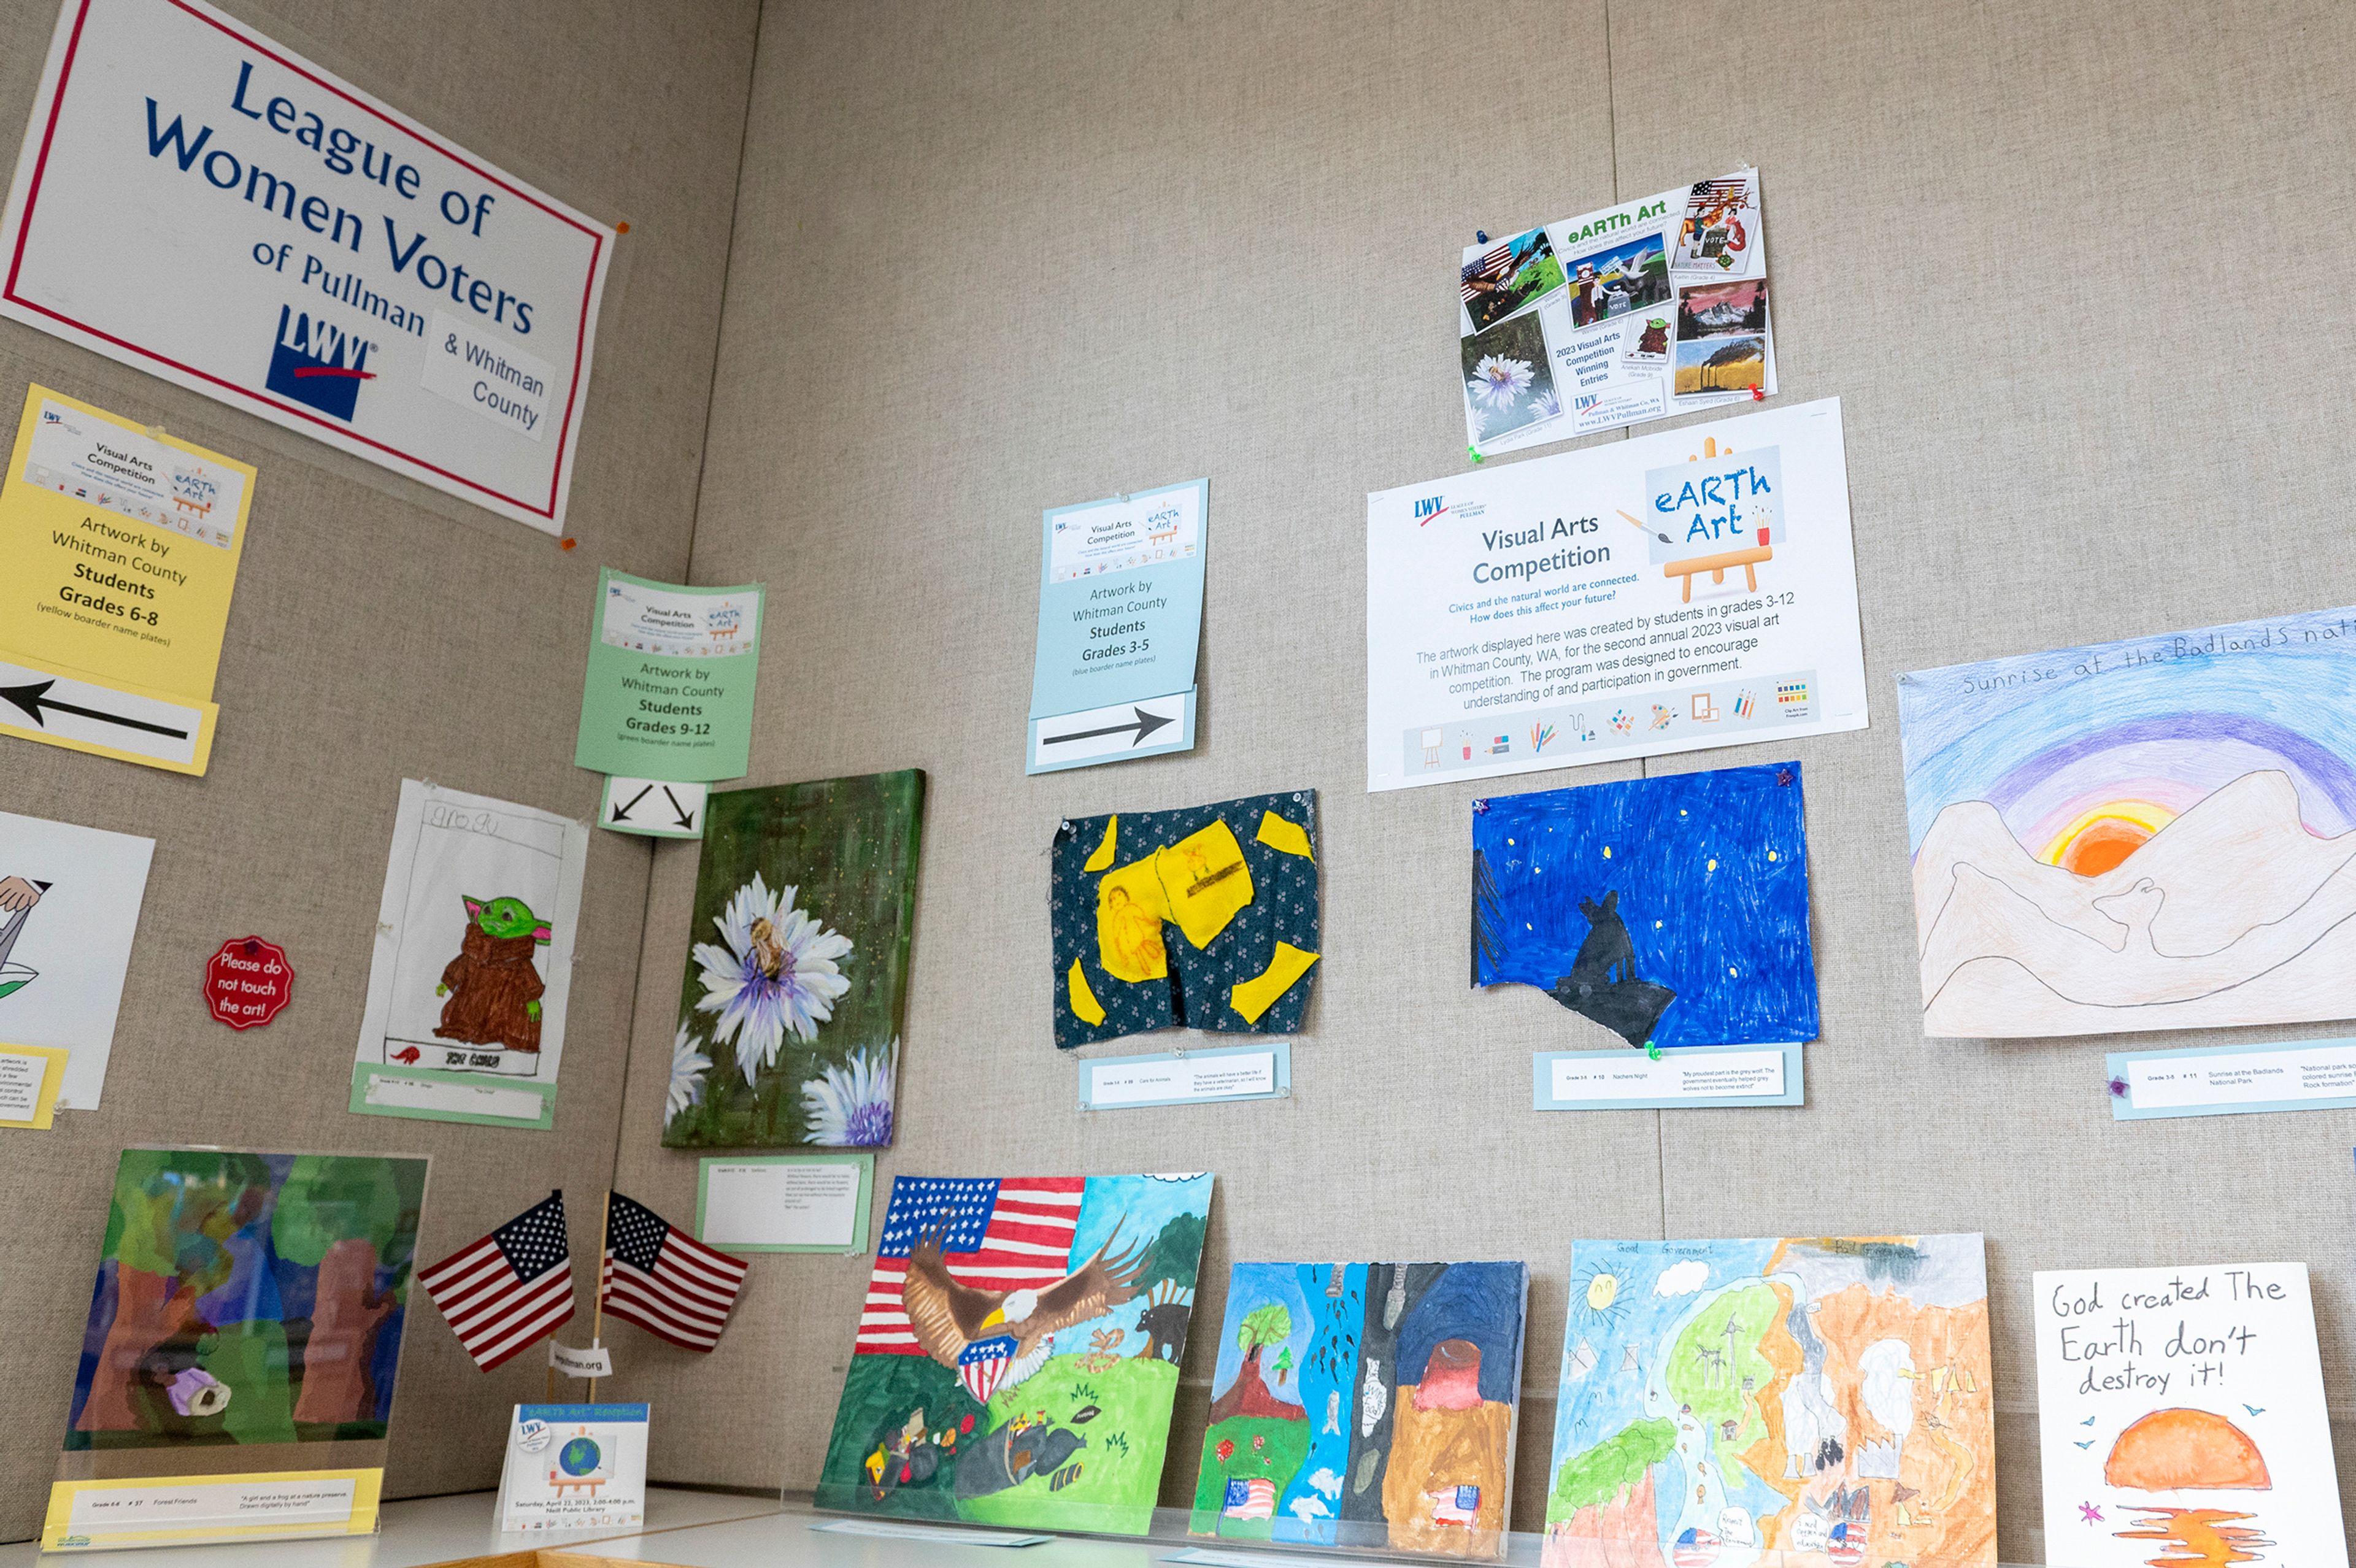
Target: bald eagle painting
(952, 1320)
(1018, 1351)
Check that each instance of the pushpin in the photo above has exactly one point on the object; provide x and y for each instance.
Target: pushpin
(566, 543)
(1758, 394)
(1480, 237)
(1652, 1051)
(622, 227)
(1474, 452)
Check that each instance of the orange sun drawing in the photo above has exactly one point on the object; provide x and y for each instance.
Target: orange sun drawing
(2174, 1448)
(2098, 839)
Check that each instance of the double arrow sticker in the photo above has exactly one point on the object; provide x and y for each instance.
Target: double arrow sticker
(125, 722)
(659, 809)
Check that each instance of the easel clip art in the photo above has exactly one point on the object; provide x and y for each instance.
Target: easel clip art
(1718, 565)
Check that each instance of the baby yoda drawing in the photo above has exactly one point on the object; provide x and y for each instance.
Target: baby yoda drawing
(493, 988)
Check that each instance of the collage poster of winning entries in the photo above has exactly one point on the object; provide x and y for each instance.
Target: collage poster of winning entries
(2155, 833)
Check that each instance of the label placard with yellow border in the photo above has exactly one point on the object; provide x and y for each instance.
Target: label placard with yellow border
(187, 1510)
(30, 1077)
(126, 544)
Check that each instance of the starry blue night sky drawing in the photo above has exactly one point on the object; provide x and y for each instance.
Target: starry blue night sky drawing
(1711, 873)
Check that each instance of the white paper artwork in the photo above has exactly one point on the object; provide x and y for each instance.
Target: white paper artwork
(69, 908)
(2182, 1419)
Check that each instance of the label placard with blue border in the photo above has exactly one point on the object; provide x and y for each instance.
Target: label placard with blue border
(2233, 1080)
(1690, 1077)
(1120, 617)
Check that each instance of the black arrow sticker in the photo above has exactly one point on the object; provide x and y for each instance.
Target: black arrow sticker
(1144, 724)
(31, 698)
(686, 817)
(622, 813)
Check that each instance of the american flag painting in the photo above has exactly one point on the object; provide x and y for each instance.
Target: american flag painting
(1456, 1506)
(995, 1234)
(1693, 1548)
(510, 1289)
(1494, 267)
(1252, 1499)
(1016, 1360)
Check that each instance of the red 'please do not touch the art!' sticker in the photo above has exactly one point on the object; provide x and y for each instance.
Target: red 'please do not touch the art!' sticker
(248, 981)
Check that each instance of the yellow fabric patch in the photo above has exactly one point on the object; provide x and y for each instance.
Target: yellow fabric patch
(1205, 880)
(1085, 1006)
(1284, 835)
(1103, 857)
(1256, 995)
(1130, 907)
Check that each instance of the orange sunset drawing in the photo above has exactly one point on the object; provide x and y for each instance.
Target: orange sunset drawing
(2184, 1450)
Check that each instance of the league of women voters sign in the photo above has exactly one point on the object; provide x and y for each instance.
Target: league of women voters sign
(1691, 588)
(196, 201)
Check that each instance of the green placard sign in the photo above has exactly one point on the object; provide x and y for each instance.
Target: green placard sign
(669, 689)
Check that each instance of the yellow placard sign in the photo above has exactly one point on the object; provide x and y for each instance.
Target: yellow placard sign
(30, 1077)
(174, 1510)
(123, 546)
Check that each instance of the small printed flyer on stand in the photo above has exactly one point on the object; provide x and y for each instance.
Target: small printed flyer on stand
(1691, 588)
(1654, 307)
(574, 1467)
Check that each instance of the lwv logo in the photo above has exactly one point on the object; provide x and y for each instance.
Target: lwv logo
(1428, 507)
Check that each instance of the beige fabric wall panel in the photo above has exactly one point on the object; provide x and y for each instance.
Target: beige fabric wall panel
(380, 630)
(2008, 235)
(994, 259)
(2043, 256)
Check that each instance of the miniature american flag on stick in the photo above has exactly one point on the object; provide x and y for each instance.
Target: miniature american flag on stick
(511, 1289)
(664, 1280)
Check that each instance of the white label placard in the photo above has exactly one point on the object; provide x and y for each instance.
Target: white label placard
(1675, 1073)
(1183, 1078)
(196, 201)
(782, 1203)
(596, 1361)
(468, 1099)
(1179, 1078)
(20, 1085)
(151, 1505)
